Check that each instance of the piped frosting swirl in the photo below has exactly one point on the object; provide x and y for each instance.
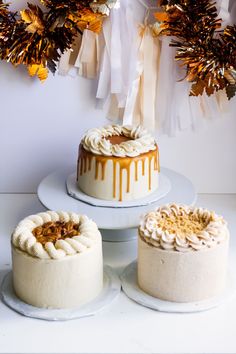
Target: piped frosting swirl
(95, 141)
(23, 238)
(183, 228)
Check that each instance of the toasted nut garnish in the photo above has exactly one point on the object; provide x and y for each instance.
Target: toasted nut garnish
(53, 231)
(183, 224)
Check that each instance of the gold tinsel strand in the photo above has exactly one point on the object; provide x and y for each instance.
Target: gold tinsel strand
(207, 51)
(37, 39)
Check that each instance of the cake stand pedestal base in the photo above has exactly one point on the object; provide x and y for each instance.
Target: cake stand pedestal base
(117, 224)
(119, 235)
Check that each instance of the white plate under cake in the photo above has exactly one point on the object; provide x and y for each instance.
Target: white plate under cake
(118, 163)
(182, 253)
(57, 260)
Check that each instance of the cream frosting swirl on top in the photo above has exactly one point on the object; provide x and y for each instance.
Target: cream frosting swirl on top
(23, 238)
(95, 141)
(183, 228)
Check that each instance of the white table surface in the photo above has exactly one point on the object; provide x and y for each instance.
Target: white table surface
(124, 327)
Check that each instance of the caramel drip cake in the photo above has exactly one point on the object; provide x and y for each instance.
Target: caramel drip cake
(118, 163)
(57, 260)
(182, 253)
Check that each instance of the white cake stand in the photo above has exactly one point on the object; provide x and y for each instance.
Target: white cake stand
(116, 224)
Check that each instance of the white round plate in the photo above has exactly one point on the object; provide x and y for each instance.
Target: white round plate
(162, 190)
(111, 290)
(53, 195)
(132, 290)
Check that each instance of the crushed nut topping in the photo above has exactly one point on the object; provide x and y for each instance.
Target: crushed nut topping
(53, 231)
(183, 224)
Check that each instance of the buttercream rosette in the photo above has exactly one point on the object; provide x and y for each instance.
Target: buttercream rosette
(183, 228)
(95, 141)
(24, 239)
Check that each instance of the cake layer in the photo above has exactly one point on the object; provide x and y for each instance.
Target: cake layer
(182, 276)
(64, 283)
(118, 178)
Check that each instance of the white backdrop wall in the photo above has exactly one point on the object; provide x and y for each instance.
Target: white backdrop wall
(41, 126)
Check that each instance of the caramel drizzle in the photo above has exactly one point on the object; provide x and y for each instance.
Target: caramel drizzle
(136, 170)
(124, 166)
(114, 179)
(143, 167)
(85, 163)
(101, 161)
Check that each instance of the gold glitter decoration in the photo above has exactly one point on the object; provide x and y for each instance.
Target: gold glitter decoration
(37, 39)
(206, 50)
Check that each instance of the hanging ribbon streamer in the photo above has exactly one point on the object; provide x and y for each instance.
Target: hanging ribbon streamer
(68, 59)
(138, 78)
(150, 69)
(64, 64)
(141, 99)
(233, 11)
(87, 60)
(165, 86)
(224, 13)
(132, 114)
(128, 82)
(84, 56)
(119, 58)
(105, 69)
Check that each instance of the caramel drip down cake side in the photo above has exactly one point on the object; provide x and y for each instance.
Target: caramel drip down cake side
(85, 162)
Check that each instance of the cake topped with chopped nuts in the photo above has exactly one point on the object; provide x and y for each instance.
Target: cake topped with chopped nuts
(182, 253)
(183, 223)
(55, 234)
(57, 260)
(182, 228)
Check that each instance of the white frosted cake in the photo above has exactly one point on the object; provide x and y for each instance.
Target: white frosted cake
(57, 260)
(118, 163)
(182, 253)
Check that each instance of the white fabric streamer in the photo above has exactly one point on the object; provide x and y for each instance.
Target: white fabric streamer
(149, 77)
(115, 74)
(105, 69)
(87, 61)
(64, 63)
(67, 61)
(138, 77)
(129, 117)
(165, 98)
(224, 14)
(233, 12)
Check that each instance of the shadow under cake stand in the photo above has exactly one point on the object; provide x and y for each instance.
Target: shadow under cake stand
(116, 223)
